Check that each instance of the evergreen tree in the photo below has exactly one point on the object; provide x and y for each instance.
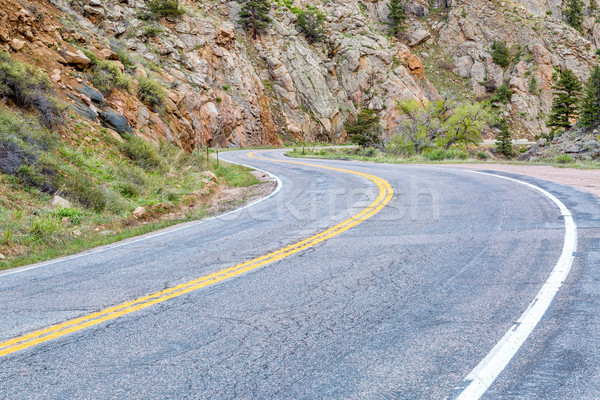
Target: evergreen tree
(590, 104)
(503, 138)
(566, 98)
(365, 130)
(574, 13)
(254, 15)
(500, 53)
(396, 17)
(312, 22)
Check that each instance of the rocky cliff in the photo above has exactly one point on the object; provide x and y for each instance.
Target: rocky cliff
(222, 88)
(539, 43)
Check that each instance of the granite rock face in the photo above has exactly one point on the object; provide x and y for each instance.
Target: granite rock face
(225, 89)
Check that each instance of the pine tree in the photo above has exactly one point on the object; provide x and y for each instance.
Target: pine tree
(254, 15)
(365, 130)
(312, 22)
(590, 104)
(574, 13)
(503, 138)
(566, 99)
(396, 17)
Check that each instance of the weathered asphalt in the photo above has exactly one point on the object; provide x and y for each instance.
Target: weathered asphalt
(402, 306)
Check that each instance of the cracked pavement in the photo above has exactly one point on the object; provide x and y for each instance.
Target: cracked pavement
(402, 306)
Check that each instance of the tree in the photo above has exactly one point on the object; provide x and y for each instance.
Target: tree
(503, 138)
(566, 97)
(500, 53)
(254, 15)
(365, 131)
(419, 129)
(465, 125)
(165, 8)
(590, 104)
(574, 13)
(396, 17)
(312, 22)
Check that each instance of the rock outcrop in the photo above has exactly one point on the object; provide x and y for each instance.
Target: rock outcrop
(539, 43)
(222, 88)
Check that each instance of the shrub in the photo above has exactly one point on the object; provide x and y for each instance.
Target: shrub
(85, 191)
(129, 189)
(437, 155)
(165, 8)
(500, 53)
(124, 57)
(151, 92)
(149, 30)
(74, 214)
(42, 228)
(30, 88)
(312, 22)
(24, 151)
(107, 76)
(563, 159)
(503, 94)
(143, 153)
(91, 55)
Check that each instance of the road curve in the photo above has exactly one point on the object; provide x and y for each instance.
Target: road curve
(402, 305)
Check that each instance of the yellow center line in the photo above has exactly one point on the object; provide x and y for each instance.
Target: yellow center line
(77, 324)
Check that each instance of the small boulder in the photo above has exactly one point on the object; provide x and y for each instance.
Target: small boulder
(17, 44)
(107, 233)
(2, 257)
(108, 54)
(58, 201)
(139, 212)
(418, 36)
(76, 232)
(113, 120)
(75, 58)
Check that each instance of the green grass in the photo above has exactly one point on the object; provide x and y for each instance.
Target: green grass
(433, 157)
(104, 181)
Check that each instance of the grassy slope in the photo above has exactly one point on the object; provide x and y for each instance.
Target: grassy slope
(104, 179)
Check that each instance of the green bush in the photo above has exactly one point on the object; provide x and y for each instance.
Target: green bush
(151, 92)
(85, 191)
(129, 189)
(42, 228)
(149, 30)
(165, 8)
(30, 88)
(143, 154)
(500, 53)
(312, 22)
(503, 94)
(437, 155)
(107, 76)
(91, 55)
(124, 57)
(74, 214)
(563, 159)
(442, 154)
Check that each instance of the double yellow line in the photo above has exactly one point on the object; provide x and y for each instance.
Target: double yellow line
(77, 324)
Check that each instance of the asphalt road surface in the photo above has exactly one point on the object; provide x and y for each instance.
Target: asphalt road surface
(402, 302)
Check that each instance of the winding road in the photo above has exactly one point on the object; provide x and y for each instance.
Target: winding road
(352, 281)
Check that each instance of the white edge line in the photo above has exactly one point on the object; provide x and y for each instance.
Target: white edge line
(484, 374)
(150, 236)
